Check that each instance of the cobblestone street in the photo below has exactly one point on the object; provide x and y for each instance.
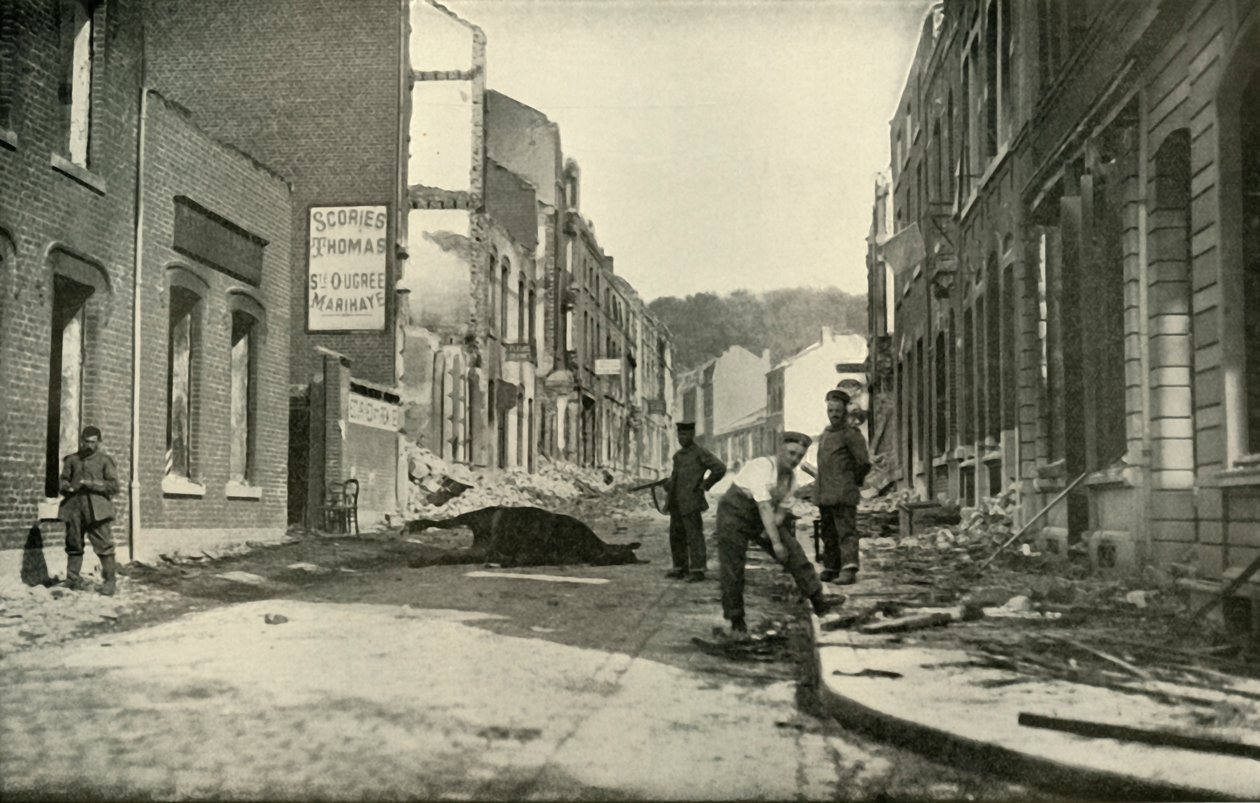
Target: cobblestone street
(394, 683)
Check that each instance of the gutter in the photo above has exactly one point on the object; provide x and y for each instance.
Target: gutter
(133, 490)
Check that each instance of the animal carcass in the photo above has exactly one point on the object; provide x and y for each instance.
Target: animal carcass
(531, 536)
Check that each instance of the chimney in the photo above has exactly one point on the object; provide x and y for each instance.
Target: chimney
(765, 355)
(827, 337)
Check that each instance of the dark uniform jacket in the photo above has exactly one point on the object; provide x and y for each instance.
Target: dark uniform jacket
(687, 484)
(91, 505)
(843, 463)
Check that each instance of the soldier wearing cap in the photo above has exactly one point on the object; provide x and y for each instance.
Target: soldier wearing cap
(88, 480)
(843, 463)
(696, 470)
(753, 510)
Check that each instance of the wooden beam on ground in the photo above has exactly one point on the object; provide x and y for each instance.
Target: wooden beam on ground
(1161, 738)
(1233, 586)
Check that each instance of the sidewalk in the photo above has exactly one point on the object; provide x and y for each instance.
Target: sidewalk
(957, 692)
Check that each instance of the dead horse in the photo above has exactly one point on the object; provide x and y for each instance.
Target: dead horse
(531, 536)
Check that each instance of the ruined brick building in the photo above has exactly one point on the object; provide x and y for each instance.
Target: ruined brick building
(145, 267)
(1064, 276)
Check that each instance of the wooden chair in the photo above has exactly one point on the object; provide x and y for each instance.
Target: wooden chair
(341, 506)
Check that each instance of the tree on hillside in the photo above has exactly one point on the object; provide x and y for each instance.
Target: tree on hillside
(704, 325)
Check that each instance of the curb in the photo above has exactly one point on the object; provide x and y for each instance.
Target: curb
(990, 757)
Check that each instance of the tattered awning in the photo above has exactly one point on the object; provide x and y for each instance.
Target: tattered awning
(904, 250)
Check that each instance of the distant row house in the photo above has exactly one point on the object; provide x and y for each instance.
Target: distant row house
(260, 276)
(742, 404)
(1063, 273)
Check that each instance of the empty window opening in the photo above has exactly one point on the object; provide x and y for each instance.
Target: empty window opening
(243, 395)
(939, 359)
(67, 356)
(990, 82)
(77, 57)
(1251, 258)
(1010, 355)
(184, 306)
(969, 378)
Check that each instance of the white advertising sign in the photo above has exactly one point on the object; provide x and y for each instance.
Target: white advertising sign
(369, 412)
(608, 367)
(347, 268)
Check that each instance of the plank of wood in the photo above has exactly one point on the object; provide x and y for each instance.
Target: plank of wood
(1161, 738)
(1233, 586)
(905, 623)
(1106, 656)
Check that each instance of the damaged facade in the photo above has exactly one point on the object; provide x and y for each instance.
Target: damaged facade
(514, 317)
(146, 275)
(258, 78)
(1068, 287)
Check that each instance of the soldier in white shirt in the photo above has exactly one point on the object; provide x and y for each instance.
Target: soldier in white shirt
(753, 509)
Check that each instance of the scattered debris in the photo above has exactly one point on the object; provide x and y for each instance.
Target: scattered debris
(546, 578)
(906, 623)
(871, 673)
(242, 577)
(275, 618)
(1105, 730)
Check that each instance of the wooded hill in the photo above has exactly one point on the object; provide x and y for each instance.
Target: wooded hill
(785, 321)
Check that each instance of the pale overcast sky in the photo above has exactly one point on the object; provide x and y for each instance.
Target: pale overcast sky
(724, 144)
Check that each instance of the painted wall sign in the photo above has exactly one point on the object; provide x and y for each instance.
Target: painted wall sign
(347, 268)
(368, 412)
(608, 367)
(518, 352)
(656, 406)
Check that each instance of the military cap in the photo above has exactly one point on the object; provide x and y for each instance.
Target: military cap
(686, 426)
(836, 394)
(797, 437)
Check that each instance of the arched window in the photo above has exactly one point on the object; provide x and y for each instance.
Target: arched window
(79, 289)
(506, 270)
(992, 380)
(246, 340)
(185, 294)
(492, 282)
(533, 314)
(520, 309)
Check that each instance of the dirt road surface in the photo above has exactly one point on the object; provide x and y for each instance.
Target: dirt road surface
(330, 669)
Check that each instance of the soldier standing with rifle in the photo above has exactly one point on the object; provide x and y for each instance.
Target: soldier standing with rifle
(686, 488)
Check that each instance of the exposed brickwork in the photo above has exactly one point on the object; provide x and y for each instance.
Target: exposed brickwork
(312, 88)
(181, 161)
(43, 209)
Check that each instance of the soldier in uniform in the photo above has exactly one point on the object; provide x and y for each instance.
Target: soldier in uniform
(696, 470)
(753, 510)
(88, 480)
(843, 463)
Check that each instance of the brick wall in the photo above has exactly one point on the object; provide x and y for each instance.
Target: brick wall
(47, 208)
(181, 161)
(313, 89)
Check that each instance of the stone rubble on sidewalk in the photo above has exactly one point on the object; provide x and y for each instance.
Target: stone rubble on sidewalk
(1070, 645)
(44, 615)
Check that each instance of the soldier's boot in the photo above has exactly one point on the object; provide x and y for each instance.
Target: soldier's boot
(73, 581)
(109, 570)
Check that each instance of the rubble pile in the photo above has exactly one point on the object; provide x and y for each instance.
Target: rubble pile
(441, 490)
(1027, 602)
(40, 615)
